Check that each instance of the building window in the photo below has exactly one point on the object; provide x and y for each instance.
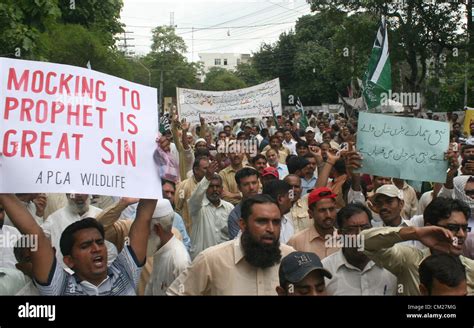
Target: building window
(225, 61)
(217, 61)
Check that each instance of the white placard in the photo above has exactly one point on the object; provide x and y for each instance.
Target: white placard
(71, 129)
(256, 101)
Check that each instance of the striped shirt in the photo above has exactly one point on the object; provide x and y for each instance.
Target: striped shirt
(122, 279)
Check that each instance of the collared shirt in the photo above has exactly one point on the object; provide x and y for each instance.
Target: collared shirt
(8, 237)
(168, 263)
(223, 270)
(291, 146)
(282, 171)
(229, 183)
(410, 200)
(381, 245)
(350, 280)
(283, 153)
(309, 240)
(183, 192)
(307, 185)
(122, 279)
(233, 221)
(61, 219)
(299, 214)
(209, 221)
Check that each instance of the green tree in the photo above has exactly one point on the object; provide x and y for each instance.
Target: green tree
(21, 23)
(100, 16)
(321, 57)
(220, 79)
(248, 73)
(74, 45)
(167, 56)
(421, 29)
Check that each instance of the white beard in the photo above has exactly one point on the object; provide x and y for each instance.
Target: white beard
(79, 208)
(154, 242)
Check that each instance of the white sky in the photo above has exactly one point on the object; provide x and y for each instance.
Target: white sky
(231, 21)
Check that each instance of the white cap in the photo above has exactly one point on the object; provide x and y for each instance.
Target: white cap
(309, 128)
(163, 208)
(389, 190)
(200, 140)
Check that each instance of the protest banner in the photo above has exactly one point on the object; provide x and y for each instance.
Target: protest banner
(68, 129)
(403, 147)
(256, 101)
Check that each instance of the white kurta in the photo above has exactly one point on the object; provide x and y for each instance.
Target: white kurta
(209, 222)
(8, 237)
(168, 263)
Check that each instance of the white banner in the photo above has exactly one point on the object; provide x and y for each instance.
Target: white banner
(71, 129)
(256, 101)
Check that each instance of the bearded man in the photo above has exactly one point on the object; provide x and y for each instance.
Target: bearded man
(78, 208)
(247, 265)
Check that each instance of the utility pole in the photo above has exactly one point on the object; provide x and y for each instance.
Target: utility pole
(125, 45)
(192, 43)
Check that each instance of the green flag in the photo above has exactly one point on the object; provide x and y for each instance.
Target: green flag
(377, 79)
(303, 118)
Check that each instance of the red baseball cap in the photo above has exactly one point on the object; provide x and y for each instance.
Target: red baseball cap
(320, 193)
(270, 170)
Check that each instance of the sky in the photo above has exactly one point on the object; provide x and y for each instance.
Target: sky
(222, 26)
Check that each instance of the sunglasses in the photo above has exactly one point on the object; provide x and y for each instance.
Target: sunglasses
(456, 227)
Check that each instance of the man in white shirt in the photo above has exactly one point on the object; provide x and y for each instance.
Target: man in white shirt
(9, 235)
(288, 142)
(170, 256)
(353, 272)
(208, 212)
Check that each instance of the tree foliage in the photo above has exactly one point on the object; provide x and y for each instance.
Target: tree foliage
(220, 79)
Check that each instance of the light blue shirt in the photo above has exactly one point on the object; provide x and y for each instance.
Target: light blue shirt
(178, 223)
(307, 185)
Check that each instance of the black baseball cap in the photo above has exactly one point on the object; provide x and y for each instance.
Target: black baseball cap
(297, 265)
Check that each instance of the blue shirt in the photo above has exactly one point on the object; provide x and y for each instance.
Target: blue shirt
(307, 185)
(178, 223)
(233, 221)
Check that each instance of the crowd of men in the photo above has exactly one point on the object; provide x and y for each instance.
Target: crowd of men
(252, 207)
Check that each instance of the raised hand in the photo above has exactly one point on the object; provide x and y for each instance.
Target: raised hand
(163, 143)
(211, 170)
(184, 125)
(439, 239)
(40, 202)
(352, 158)
(332, 156)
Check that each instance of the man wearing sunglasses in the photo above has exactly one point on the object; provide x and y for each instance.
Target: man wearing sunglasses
(445, 231)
